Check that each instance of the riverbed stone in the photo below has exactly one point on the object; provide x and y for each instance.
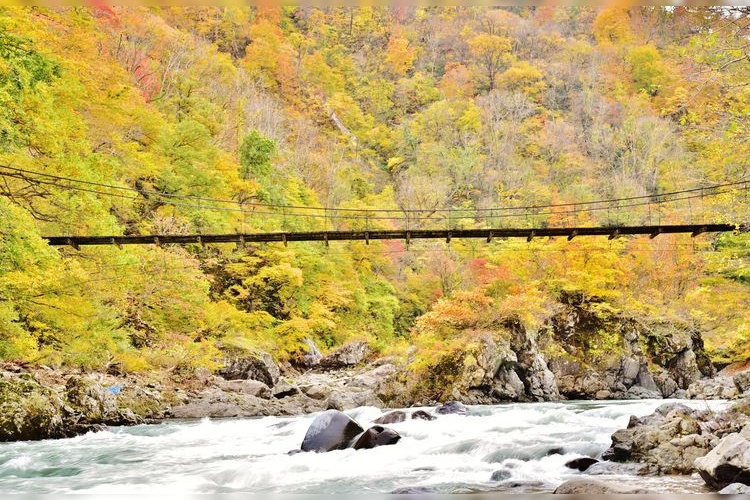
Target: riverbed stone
(589, 486)
(422, 415)
(330, 430)
(735, 489)
(393, 417)
(377, 435)
(721, 387)
(728, 462)
(742, 381)
(581, 464)
(451, 408)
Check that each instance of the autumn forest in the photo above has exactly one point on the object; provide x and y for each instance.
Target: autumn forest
(126, 121)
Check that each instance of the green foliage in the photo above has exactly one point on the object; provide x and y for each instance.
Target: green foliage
(255, 155)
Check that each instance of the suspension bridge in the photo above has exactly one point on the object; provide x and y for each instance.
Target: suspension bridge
(675, 212)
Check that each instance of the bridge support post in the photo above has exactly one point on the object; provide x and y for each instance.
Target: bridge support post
(572, 234)
(656, 233)
(614, 234)
(530, 236)
(73, 244)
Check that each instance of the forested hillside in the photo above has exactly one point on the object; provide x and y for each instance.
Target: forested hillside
(222, 120)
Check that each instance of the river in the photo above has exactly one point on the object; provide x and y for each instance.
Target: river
(530, 442)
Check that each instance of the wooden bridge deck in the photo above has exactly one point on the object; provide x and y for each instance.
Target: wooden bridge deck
(399, 234)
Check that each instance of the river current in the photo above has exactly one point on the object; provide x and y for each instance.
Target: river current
(529, 442)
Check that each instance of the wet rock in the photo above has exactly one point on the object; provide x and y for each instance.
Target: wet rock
(261, 368)
(413, 490)
(451, 408)
(393, 417)
(735, 489)
(28, 410)
(500, 475)
(331, 430)
(347, 355)
(581, 464)
(249, 387)
(376, 435)
(422, 415)
(588, 486)
(728, 462)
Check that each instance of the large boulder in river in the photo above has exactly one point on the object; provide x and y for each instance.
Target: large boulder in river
(261, 368)
(728, 462)
(28, 410)
(377, 435)
(331, 430)
(451, 408)
(422, 415)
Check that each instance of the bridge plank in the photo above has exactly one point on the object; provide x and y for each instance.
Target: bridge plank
(398, 234)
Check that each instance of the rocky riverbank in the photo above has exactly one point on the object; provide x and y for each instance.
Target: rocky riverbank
(577, 354)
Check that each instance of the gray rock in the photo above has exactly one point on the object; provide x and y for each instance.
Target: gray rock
(393, 417)
(249, 387)
(311, 357)
(331, 430)
(422, 415)
(376, 435)
(735, 489)
(581, 464)
(261, 368)
(349, 354)
(638, 392)
(316, 391)
(715, 388)
(500, 475)
(284, 390)
(346, 400)
(451, 407)
(507, 385)
(728, 462)
(413, 490)
(742, 381)
(588, 486)
(669, 440)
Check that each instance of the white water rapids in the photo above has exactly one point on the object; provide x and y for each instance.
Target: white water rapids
(529, 441)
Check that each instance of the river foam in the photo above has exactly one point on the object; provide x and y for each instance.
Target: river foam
(528, 442)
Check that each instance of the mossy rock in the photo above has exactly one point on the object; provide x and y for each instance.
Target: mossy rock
(28, 411)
